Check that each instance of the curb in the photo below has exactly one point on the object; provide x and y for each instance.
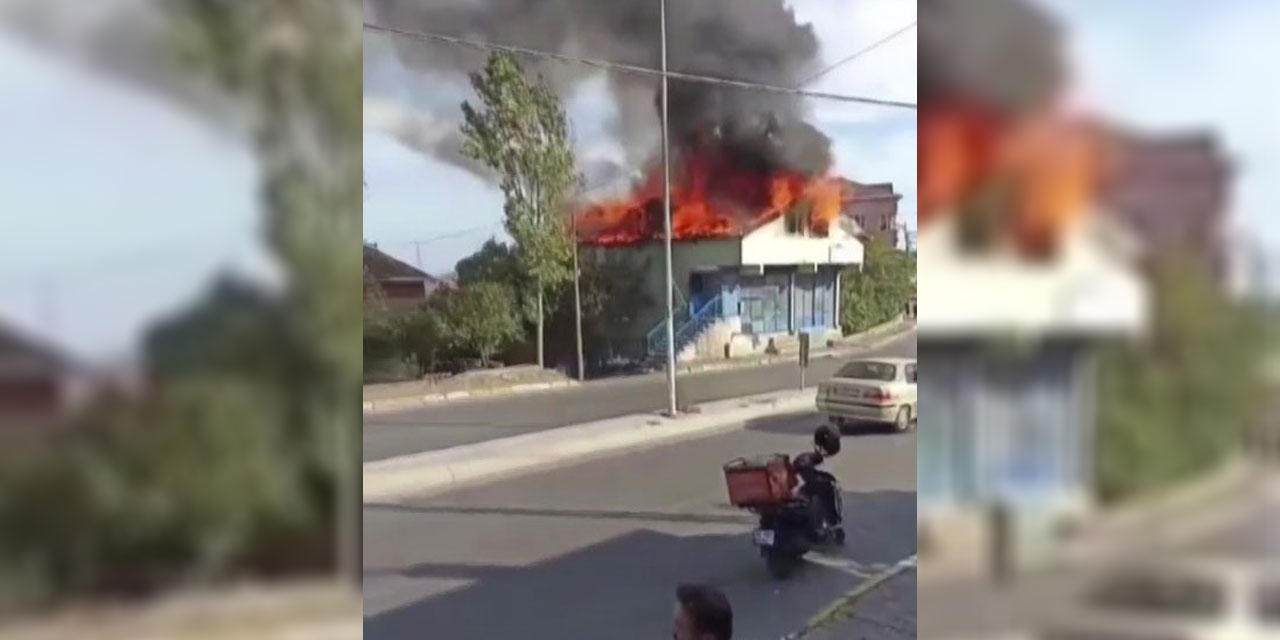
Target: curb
(407, 402)
(422, 474)
(1195, 504)
(840, 608)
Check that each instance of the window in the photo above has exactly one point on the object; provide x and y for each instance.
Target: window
(911, 373)
(868, 370)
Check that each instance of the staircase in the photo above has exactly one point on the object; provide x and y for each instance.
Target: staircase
(690, 323)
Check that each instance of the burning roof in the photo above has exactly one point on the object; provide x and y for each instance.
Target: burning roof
(995, 149)
(715, 194)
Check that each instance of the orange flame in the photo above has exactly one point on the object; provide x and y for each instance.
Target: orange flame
(712, 197)
(1052, 164)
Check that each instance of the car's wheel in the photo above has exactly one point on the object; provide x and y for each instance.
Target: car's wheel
(902, 421)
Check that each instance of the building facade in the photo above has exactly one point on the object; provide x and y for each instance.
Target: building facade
(874, 208)
(1009, 387)
(743, 294)
(401, 286)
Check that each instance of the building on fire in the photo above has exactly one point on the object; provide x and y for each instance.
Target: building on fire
(742, 285)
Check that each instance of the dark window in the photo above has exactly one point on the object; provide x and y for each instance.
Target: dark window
(1268, 603)
(911, 373)
(1167, 594)
(868, 370)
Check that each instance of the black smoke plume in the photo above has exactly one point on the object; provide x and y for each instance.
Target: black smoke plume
(749, 40)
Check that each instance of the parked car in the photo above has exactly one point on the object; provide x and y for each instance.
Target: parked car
(1195, 599)
(874, 390)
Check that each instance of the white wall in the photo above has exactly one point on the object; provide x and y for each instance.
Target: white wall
(772, 245)
(1091, 289)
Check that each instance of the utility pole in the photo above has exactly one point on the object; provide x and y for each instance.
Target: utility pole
(666, 221)
(577, 297)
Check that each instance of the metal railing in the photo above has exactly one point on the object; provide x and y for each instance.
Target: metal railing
(689, 323)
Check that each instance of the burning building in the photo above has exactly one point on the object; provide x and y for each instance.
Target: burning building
(757, 250)
(1014, 246)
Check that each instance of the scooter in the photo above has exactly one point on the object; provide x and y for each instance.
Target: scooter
(799, 505)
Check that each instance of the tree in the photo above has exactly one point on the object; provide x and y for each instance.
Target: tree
(521, 132)
(879, 291)
(479, 319)
(1175, 403)
(424, 336)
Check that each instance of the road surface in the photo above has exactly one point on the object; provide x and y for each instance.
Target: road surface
(1247, 527)
(595, 550)
(464, 422)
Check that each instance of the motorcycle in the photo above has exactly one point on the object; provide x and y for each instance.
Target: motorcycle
(799, 505)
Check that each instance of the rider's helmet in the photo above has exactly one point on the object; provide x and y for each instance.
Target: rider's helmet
(827, 439)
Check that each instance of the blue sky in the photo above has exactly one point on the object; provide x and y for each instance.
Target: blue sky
(115, 206)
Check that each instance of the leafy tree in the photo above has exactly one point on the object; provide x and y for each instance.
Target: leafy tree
(521, 132)
(613, 298)
(424, 334)
(1174, 404)
(879, 291)
(479, 319)
(497, 262)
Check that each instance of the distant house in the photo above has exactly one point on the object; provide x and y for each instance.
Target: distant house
(1172, 190)
(742, 289)
(874, 207)
(402, 286)
(37, 383)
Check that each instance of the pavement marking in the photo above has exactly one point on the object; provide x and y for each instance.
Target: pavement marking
(842, 607)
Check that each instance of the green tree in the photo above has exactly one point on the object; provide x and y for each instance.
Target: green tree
(613, 299)
(521, 132)
(479, 319)
(880, 290)
(1175, 403)
(424, 334)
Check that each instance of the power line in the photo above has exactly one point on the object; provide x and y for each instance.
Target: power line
(858, 54)
(443, 236)
(629, 68)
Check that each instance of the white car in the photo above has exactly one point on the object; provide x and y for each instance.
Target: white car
(877, 390)
(1200, 599)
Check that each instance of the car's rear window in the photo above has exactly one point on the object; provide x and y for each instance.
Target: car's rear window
(1268, 603)
(1160, 594)
(869, 370)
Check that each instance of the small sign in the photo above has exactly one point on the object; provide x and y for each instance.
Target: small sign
(804, 350)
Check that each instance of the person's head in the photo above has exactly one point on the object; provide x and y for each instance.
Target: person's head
(702, 613)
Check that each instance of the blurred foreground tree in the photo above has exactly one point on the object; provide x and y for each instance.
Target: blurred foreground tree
(235, 460)
(520, 131)
(879, 291)
(294, 67)
(1178, 402)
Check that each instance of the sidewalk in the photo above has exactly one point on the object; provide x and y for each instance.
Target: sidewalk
(413, 476)
(316, 611)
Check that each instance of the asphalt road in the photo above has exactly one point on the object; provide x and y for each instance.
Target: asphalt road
(465, 422)
(595, 550)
